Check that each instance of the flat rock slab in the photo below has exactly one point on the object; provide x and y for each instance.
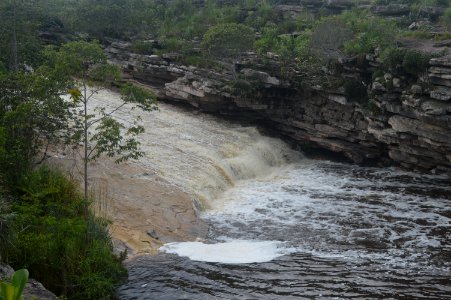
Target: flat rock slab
(137, 202)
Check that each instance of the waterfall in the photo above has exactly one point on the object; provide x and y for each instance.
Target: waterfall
(201, 154)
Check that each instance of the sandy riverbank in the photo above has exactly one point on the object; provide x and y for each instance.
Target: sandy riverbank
(144, 209)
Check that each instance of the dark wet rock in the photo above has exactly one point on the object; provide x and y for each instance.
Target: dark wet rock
(153, 234)
(5, 271)
(33, 289)
(441, 93)
(431, 11)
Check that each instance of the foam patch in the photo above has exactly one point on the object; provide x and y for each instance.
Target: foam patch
(231, 252)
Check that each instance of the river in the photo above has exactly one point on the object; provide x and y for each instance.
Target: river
(282, 226)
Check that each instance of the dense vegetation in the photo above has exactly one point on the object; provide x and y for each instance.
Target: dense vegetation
(180, 26)
(69, 254)
(44, 222)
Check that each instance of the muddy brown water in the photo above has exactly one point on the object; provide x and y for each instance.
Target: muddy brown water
(361, 233)
(280, 226)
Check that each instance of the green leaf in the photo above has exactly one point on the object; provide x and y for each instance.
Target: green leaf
(142, 98)
(104, 72)
(7, 291)
(19, 281)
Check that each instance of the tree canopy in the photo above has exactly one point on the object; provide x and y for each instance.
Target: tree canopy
(84, 64)
(228, 40)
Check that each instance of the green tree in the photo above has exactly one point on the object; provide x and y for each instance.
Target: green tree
(102, 18)
(33, 116)
(99, 133)
(19, 23)
(370, 32)
(228, 42)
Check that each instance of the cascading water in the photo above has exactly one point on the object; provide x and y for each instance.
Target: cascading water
(286, 227)
(197, 153)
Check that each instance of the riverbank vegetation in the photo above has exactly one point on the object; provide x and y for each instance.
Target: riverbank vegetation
(42, 224)
(69, 254)
(46, 225)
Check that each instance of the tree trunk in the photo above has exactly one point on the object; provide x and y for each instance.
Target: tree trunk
(14, 64)
(85, 146)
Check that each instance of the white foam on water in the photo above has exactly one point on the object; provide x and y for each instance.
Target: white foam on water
(231, 252)
(334, 210)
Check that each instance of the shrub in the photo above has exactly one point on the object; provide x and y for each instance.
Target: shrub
(392, 58)
(228, 40)
(172, 44)
(415, 62)
(269, 40)
(69, 254)
(446, 18)
(261, 15)
(377, 74)
(144, 47)
(370, 32)
(442, 2)
(199, 61)
(243, 87)
(412, 62)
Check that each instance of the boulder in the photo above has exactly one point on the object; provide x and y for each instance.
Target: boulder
(338, 98)
(441, 93)
(260, 76)
(5, 271)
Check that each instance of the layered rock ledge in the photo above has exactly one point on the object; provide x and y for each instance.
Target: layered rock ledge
(408, 123)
